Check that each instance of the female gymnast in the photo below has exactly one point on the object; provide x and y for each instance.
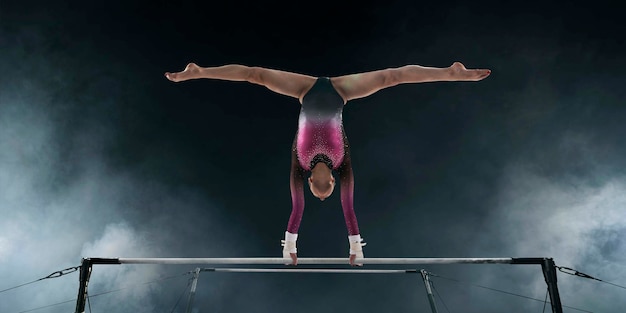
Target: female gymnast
(320, 145)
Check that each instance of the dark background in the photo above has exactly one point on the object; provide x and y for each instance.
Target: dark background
(101, 156)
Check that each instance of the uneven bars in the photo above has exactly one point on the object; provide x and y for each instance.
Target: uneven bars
(547, 265)
(306, 270)
(318, 261)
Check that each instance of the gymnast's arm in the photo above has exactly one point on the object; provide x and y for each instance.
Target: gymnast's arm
(296, 184)
(346, 179)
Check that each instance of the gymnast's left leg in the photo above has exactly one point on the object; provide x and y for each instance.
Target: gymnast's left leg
(361, 85)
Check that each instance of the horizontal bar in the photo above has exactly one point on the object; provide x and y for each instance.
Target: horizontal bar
(306, 270)
(318, 261)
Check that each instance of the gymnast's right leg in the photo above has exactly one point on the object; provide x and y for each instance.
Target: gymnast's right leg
(282, 82)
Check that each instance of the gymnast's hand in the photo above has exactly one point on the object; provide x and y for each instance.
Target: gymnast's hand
(294, 259)
(352, 259)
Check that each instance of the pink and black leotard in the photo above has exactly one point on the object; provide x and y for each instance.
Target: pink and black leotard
(321, 138)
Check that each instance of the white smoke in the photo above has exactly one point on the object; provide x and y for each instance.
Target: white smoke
(578, 220)
(56, 209)
(120, 240)
(60, 201)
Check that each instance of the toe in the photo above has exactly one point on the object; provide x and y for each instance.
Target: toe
(170, 76)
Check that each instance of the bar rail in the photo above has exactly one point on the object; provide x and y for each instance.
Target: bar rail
(547, 265)
(317, 261)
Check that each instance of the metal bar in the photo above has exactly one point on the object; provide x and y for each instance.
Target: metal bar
(306, 270)
(318, 261)
(537, 261)
(429, 292)
(549, 273)
(547, 264)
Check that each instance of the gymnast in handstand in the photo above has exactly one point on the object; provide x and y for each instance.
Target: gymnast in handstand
(320, 145)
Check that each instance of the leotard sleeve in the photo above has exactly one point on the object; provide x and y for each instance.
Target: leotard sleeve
(296, 183)
(347, 192)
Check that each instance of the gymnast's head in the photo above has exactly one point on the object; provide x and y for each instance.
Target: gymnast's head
(321, 181)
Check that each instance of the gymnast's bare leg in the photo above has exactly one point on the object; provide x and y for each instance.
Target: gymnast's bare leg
(350, 87)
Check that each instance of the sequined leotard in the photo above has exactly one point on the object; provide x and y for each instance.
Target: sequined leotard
(321, 138)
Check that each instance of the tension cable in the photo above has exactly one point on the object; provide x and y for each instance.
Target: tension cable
(53, 275)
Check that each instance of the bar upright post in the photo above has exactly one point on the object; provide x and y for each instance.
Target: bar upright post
(549, 273)
(429, 292)
(85, 273)
(192, 291)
